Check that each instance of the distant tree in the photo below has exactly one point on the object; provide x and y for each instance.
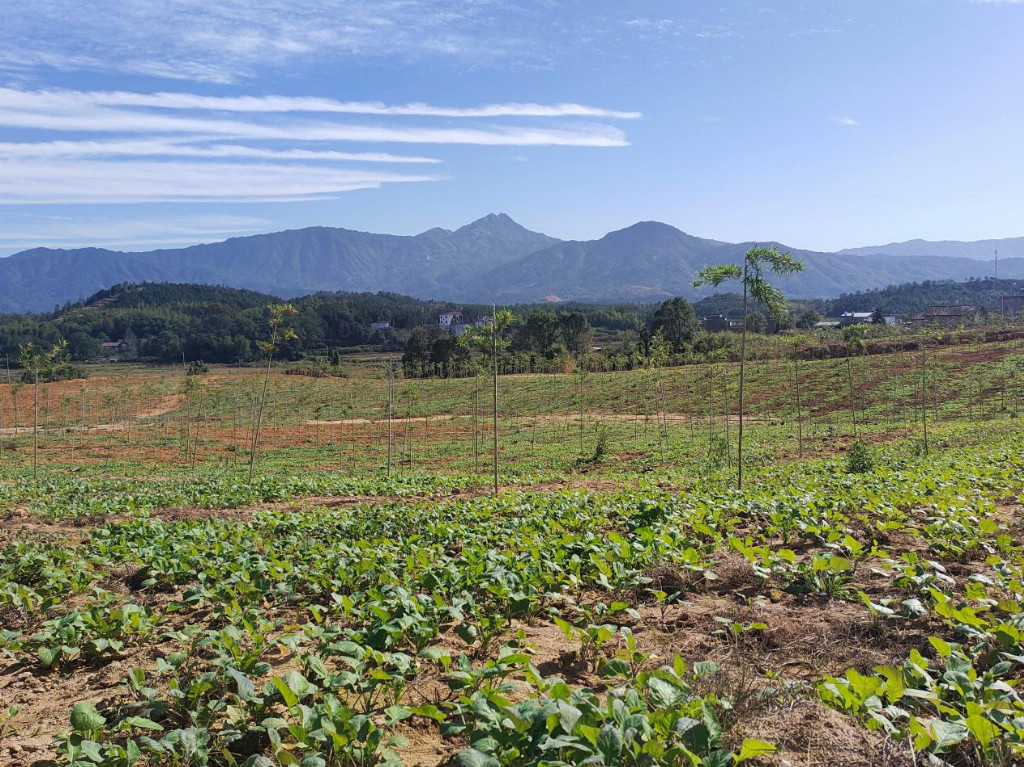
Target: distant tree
(677, 321)
(577, 334)
(877, 317)
(416, 357)
(442, 355)
(131, 344)
(751, 274)
(82, 346)
(756, 322)
(808, 319)
(540, 333)
(643, 344)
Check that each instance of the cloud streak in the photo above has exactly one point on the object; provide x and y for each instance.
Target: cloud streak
(61, 231)
(48, 182)
(179, 148)
(118, 147)
(250, 104)
(71, 111)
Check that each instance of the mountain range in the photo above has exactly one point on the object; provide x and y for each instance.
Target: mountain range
(491, 259)
(1011, 247)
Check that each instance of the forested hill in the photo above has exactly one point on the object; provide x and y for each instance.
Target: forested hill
(160, 322)
(166, 295)
(913, 297)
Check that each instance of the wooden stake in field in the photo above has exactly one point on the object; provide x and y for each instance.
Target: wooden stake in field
(582, 378)
(494, 361)
(391, 408)
(52, 364)
(924, 399)
(476, 412)
(799, 410)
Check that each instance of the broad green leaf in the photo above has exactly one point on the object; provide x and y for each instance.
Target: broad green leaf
(663, 693)
(85, 717)
(610, 743)
(568, 716)
(720, 758)
(946, 734)
(143, 724)
(290, 699)
(752, 747)
(615, 667)
(982, 729)
(705, 667)
(470, 757)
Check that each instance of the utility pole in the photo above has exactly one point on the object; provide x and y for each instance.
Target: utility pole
(997, 264)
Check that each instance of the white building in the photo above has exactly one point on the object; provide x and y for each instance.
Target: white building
(864, 318)
(448, 319)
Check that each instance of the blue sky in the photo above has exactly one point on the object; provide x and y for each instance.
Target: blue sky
(135, 124)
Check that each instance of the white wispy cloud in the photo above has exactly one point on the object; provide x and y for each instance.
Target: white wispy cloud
(72, 111)
(846, 121)
(60, 231)
(86, 181)
(160, 147)
(123, 147)
(63, 98)
(113, 121)
(16, 60)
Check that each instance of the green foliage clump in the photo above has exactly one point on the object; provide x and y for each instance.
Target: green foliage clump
(600, 444)
(197, 368)
(859, 458)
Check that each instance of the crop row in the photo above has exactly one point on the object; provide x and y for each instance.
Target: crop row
(310, 637)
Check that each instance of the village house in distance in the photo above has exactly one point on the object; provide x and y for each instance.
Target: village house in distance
(951, 316)
(1012, 305)
(453, 322)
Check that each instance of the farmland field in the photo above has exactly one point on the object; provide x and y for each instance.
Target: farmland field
(366, 599)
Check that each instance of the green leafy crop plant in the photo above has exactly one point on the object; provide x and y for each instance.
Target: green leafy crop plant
(327, 634)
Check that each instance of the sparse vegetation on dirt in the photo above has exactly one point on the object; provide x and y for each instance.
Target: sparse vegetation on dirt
(858, 602)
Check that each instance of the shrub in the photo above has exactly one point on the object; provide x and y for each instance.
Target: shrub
(600, 444)
(859, 458)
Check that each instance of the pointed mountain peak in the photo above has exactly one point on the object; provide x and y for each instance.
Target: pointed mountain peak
(493, 222)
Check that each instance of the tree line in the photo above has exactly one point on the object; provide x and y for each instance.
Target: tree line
(168, 322)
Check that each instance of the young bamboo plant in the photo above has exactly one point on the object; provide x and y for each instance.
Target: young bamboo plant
(488, 340)
(279, 333)
(751, 274)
